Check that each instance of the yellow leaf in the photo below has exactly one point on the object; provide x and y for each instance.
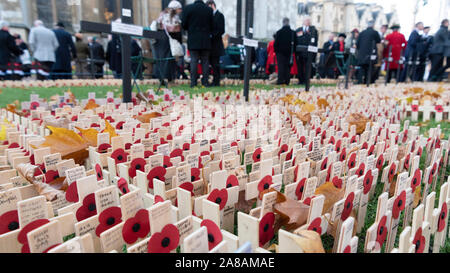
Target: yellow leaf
(322, 103)
(90, 135)
(91, 105)
(308, 108)
(148, 117)
(109, 129)
(3, 132)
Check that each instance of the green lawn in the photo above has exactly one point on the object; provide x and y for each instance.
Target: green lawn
(9, 95)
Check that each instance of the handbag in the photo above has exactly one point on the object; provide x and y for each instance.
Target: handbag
(175, 46)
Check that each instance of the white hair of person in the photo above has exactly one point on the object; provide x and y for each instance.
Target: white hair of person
(4, 24)
(38, 23)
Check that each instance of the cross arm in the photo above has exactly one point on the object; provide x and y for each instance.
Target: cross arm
(87, 26)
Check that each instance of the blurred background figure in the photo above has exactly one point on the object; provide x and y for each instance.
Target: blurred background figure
(217, 48)
(411, 53)
(43, 44)
(83, 53)
(329, 62)
(8, 49)
(306, 35)
(379, 66)
(439, 50)
(284, 48)
(62, 68)
(97, 55)
(350, 42)
(397, 42)
(25, 58)
(114, 55)
(366, 44)
(423, 51)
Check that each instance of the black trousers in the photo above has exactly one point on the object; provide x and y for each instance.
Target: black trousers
(215, 65)
(363, 74)
(46, 66)
(197, 55)
(437, 62)
(301, 68)
(392, 74)
(284, 69)
(420, 72)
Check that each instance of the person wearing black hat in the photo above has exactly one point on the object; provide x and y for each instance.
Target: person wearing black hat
(62, 66)
(396, 41)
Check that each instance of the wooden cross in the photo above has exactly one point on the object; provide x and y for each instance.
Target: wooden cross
(126, 30)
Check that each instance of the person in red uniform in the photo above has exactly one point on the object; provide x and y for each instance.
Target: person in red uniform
(271, 66)
(397, 42)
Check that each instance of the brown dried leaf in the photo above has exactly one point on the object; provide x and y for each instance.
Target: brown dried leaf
(359, 121)
(91, 105)
(293, 214)
(89, 135)
(332, 195)
(50, 191)
(148, 117)
(322, 103)
(417, 196)
(309, 241)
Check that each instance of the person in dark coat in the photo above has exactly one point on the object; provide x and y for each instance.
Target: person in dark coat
(423, 51)
(114, 56)
(197, 19)
(438, 50)
(63, 53)
(329, 57)
(217, 49)
(97, 53)
(82, 55)
(136, 51)
(306, 35)
(411, 52)
(285, 43)
(8, 48)
(366, 46)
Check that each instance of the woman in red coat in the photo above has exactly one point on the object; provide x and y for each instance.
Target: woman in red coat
(397, 42)
(271, 66)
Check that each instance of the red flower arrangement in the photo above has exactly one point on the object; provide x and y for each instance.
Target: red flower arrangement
(9, 221)
(88, 208)
(164, 241)
(214, 233)
(266, 231)
(136, 227)
(219, 197)
(399, 205)
(108, 218)
(137, 164)
(119, 156)
(158, 173)
(348, 206)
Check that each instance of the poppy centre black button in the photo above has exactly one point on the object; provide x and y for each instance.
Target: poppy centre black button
(381, 230)
(120, 157)
(258, 156)
(301, 188)
(138, 167)
(91, 207)
(229, 186)
(13, 226)
(266, 227)
(124, 190)
(218, 200)
(165, 242)
(110, 221)
(400, 202)
(136, 227)
(210, 238)
(192, 178)
(266, 186)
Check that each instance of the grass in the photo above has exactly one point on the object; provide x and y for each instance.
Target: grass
(9, 95)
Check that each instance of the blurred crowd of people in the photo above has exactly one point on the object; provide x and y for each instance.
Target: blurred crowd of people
(194, 43)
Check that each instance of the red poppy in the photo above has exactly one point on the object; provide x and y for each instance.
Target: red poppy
(414, 108)
(323, 166)
(338, 146)
(34, 105)
(439, 108)
(266, 231)
(232, 181)
(399, 205)
(318, 131)
(88, 209)
(138, 164)
(158, 173)
(122, 184)
(432, 173)
(391, 173)
(103, 148)
(195, 174)
(166, 162)
(415, 181)
(265, 183)
(50, 176)
(186, 146)
(148, 154)
(108, 218)
(381, 231)
(365, 146)
(205, 153)
(257, 155)
(405, 136)
(22, 236)
(9, 221)
(302, 140)
(119, 125)
(72, 192)
(347, 249)
(348, 206)
(353, 139)
(300, 188)
(99, 172)
(158, 199)
(13, 145)
(360, 171)
(284, 148)
(164, 241)
(352, 161)
(176, 153)
(419, 151)
(343, 155)
(119, 156)
(337, 182)
(371, 150)
(136, 227)
(219, 197)
(419, 241)
(406, 162)
(368, 179)
(310, 147)
(442, 217)
(315, 225)
(128, 146)
(380, 162)
(332, 140)
(214, 233)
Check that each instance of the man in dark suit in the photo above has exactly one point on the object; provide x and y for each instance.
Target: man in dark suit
(98, 54)
(411, 52)
(198, 20)
(284, 48)
(114, 55)
(306, 35)
(63, 55)
(217, 49)
(367, 46)
(8, 48)
(423, 51)
(438, 50)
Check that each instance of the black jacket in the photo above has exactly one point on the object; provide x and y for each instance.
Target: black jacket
(411, 48)
(365, 44)
(310, 37)
(63, 52)
(440, 41)
(97, 51)
(8, 48)
(283, 41)
(197, 19)
(424, 46)
(218, 30)
(114, 54)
